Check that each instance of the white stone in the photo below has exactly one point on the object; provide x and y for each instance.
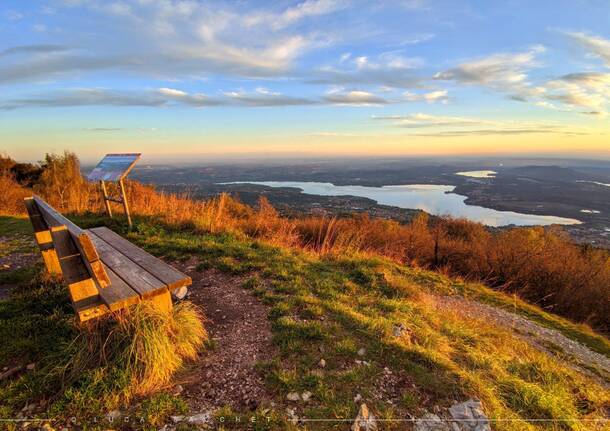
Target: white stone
(365, 421)
(176, 419)
(293, 396)
(199, 419)
(180, 293)
(431, 422)
(361, 352)
(322, 363)
(305, 396)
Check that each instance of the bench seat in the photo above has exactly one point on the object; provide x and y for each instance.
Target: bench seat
(104, 271)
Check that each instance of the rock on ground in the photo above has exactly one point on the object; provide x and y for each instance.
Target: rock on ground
(466, 416)
(365, 421)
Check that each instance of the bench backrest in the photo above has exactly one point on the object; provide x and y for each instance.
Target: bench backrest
(69, 252)
(104, 272)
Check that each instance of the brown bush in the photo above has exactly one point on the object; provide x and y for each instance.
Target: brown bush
(12, 195)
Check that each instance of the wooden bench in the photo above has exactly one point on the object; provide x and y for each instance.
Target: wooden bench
(104, 272)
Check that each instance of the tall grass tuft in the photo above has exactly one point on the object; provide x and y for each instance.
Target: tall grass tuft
(135, 353)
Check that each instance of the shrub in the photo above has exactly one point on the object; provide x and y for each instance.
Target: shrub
(134, 353)
(11, 198)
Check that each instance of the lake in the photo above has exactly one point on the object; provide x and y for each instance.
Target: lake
(478, 174)
(434, 199)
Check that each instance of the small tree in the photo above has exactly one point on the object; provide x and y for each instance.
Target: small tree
(62, 184)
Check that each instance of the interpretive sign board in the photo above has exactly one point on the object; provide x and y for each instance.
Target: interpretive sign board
(114, 167)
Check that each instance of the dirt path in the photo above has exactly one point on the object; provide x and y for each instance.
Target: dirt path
(578, 356)
(241, 334)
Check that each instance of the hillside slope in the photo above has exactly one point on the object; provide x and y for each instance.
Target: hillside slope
(340, 330)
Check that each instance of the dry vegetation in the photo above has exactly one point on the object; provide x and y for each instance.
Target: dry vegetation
(541, 265)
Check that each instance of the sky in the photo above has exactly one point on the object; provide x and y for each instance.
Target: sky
(188, 80)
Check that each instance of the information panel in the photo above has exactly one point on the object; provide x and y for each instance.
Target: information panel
(113, 167)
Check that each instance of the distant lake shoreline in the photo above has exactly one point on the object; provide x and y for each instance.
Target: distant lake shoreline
(434, 199)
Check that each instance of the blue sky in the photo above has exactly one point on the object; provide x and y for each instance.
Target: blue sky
(186, 79)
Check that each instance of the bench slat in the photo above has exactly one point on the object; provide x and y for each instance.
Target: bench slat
(168, 275)
(140, 280)
(82, 241)
(43, 238)
(54, 218)
(118, 295)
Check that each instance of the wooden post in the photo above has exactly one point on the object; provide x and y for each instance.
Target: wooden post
(106, 198)
(42, 234)
(163, 302)
(125, 205)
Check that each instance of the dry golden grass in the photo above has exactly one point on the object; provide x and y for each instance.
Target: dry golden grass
(542, 265)
(142, 348)
(11, 198)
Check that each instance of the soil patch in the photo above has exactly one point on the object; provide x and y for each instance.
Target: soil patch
(241, 336)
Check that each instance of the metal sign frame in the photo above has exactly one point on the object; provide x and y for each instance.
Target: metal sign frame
(98, 175)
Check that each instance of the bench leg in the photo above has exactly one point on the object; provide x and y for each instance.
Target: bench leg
(51, 262)
(163, 302)
(49, 255)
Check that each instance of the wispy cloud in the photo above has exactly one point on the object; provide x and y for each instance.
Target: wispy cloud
(425, 120)
(430, 97)
(306, 9)
(389, 69)
(358, 98)
(183, 39)
(103, 129)
(485, 132)
(596, 45)
(38, 49)
(12, 15)
(86, 97)
(168, 97)
(504, 72)
(262, 97)
(467, 126)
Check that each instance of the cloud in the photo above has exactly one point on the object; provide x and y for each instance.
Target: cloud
(36, 49)
(358, 98)
(162, 97)
(175, 40)
(388, 69)
(306, 9)
(504, 72)
(484, 132)
(13, 15)
(418, 38)
(581, 90)
(102, 129)
(589, 79)
(86, 97)
(598, 46)
(430, 97)
(468, 126)
(172, 92)
(419, 120)
(263, 97)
